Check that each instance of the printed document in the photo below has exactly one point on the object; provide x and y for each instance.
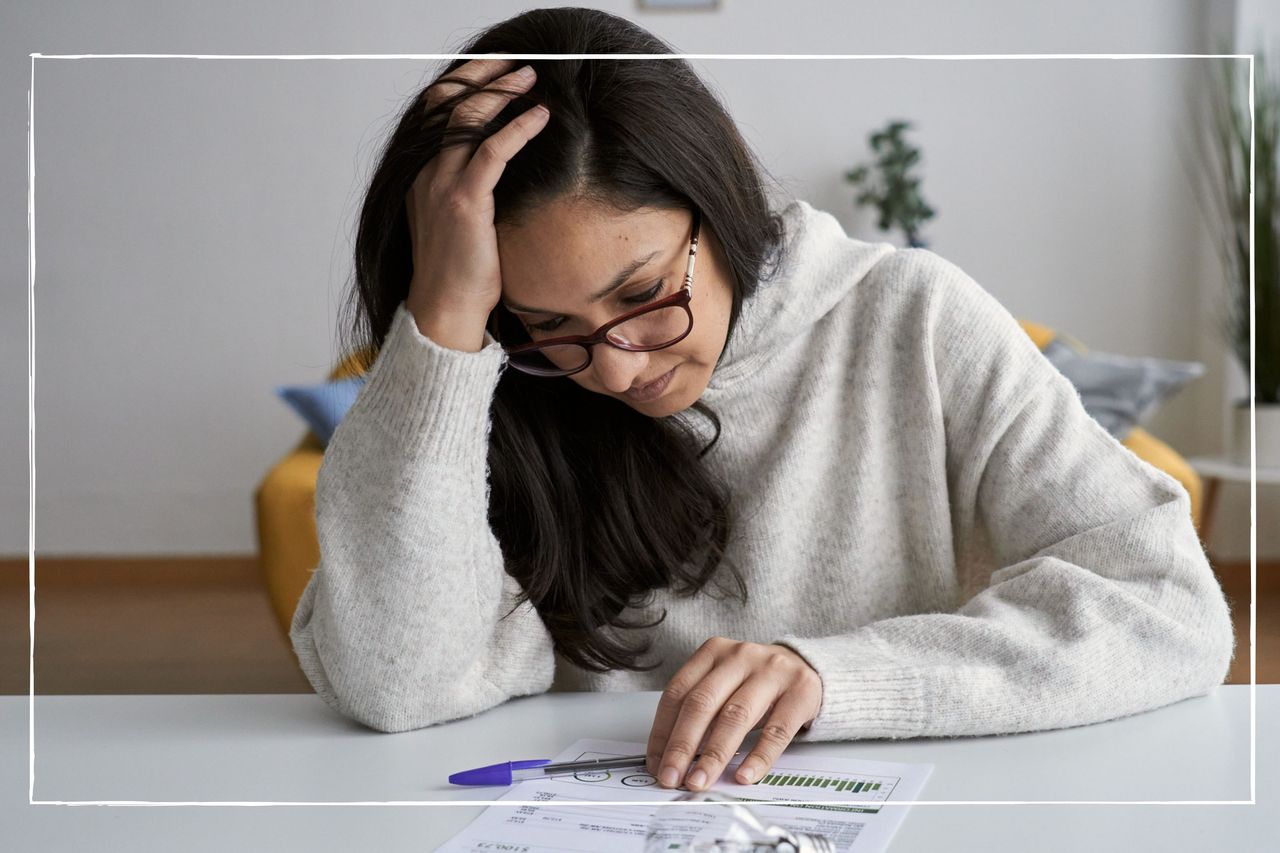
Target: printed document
(849, 801)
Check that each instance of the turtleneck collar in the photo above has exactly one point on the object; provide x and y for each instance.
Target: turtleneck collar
(821, 265)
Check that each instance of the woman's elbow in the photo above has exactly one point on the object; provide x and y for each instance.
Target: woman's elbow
(1212, 641)
(1224, 634)
(390, 712)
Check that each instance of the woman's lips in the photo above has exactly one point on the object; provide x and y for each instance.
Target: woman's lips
(654, 389)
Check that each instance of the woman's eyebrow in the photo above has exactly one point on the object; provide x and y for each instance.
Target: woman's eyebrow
(618, 280)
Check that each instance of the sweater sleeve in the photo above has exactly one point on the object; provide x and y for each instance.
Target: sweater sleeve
(1099, 602)
(404, 623)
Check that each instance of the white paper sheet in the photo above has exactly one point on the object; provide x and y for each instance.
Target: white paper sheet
(861, 817)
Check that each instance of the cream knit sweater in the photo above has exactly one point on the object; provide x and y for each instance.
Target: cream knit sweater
(928, 516)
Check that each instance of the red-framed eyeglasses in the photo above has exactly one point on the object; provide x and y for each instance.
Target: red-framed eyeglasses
(657, 326)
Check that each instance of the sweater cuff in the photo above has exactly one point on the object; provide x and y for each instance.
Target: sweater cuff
(866, 692)
(424, 392)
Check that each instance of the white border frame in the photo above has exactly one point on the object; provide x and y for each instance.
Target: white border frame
(31, 410)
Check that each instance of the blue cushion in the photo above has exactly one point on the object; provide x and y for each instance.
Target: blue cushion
(323, 406)
(1118, 391)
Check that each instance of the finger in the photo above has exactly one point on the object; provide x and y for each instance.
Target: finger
(480, 108)
(697, 711)
(739, 714)
(679, 685)
(486, 165)
(477, 72)
(775, 736)
(488, 102)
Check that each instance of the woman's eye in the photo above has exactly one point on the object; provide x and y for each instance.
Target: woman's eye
(548, 326)
(649, 295)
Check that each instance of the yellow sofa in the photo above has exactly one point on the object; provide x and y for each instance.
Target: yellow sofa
(285, 506)
(285, 499)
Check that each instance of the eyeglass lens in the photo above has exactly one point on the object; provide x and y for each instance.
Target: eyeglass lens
(649, 331)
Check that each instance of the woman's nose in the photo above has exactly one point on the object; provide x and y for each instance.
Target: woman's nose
(618, 369)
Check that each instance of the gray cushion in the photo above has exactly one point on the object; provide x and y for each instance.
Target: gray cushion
(1120, 392)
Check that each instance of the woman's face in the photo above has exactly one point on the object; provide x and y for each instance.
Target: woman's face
(569, 250)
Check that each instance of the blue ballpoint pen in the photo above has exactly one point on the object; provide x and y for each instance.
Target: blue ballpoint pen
(509, 772)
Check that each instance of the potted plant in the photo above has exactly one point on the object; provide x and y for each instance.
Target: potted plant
(1228, 191)
(895, 193)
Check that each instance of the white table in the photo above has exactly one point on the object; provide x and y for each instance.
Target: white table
(292, 748)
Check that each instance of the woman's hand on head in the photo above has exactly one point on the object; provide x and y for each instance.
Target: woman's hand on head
(724, 691)
(450, 207)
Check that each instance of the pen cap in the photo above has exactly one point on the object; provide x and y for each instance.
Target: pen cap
(494, 774)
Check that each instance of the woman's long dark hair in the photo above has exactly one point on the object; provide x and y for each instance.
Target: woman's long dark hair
(594, 504)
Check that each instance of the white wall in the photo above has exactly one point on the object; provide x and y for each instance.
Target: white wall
(194, 217)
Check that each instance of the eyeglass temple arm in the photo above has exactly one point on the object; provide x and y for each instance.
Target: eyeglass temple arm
(693, 253)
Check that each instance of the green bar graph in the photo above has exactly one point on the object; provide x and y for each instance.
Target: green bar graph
(855, 786)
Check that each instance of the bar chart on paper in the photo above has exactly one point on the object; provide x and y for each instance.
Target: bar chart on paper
(832, 783)
(855, 793)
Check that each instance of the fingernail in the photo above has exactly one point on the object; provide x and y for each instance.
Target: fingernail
(525, 72)
(747, 775)
(669, 777)
(697, 779)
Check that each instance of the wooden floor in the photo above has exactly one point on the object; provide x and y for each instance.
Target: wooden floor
(187, 625)
(176, 625)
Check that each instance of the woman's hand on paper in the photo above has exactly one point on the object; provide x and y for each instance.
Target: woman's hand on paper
(723, 692)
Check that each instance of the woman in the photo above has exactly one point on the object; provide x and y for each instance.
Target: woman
(821, 486)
